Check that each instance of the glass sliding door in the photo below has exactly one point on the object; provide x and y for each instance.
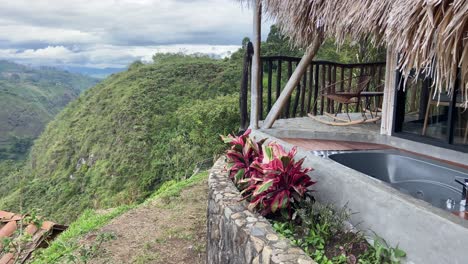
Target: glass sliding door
(423, 114)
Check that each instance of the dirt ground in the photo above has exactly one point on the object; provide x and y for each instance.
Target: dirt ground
(171, 230)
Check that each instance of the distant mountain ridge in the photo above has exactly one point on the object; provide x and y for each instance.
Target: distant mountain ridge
(93, 72)
(30, 98)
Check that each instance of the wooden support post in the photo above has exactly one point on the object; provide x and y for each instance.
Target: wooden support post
(255, 83)
(244, 86)
(389, 92)
(292, 82)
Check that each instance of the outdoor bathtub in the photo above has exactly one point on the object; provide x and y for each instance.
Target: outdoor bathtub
(425, 179)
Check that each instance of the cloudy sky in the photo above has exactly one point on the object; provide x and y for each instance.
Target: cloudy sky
(113, 33)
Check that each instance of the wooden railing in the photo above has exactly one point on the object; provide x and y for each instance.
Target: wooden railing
(320, 75)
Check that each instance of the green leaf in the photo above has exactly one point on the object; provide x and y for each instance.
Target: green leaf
(226, 139)
(285, 160)
(284, 201)
(268, 153)
(275, 204)
(239, 175)
(263, 187)
(400, 253)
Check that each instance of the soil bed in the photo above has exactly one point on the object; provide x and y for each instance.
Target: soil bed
(166, 230)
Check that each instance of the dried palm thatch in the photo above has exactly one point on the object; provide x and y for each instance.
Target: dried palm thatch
(430, 35)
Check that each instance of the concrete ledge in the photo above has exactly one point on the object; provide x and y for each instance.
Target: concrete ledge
(428, 234)
(236, 235)
(305, 127)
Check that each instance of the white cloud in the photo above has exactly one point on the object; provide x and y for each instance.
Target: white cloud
(116, 32)
(104, 56)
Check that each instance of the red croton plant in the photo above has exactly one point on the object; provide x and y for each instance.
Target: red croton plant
(268, 176)
(242, 153)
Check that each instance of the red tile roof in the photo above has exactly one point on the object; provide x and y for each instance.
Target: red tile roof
(13, 226)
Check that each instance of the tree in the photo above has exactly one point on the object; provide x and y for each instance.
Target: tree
(349, 52)
(278, 44)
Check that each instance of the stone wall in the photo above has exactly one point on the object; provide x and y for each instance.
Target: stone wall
(236, 235)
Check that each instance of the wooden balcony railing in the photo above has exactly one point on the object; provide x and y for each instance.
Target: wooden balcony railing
(276, 71)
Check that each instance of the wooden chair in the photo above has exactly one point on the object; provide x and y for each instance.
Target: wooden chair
(351, 95)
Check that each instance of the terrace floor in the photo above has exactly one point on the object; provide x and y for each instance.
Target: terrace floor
(313, 135)
(308, 128)
(320, 144)
(307, 123)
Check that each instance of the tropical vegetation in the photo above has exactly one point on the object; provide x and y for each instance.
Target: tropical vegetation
(30, 98)
(126, 136)
(271, 181)
(123, 138)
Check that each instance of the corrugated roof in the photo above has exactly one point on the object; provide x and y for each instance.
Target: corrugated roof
(20, 236)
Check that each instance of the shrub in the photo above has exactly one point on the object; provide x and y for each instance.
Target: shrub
(241, 155)
(283, 183)
(267, 176)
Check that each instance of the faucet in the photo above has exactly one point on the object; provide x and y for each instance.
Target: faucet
(465, 190)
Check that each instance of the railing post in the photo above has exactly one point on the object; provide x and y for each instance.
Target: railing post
(316, 88)
(244, 115)
(288, 103)
(303, 93)
(292, 82)
(320, 73)
(311, 88)
(270, 75)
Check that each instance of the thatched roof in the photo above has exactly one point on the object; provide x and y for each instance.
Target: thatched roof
(428, 34)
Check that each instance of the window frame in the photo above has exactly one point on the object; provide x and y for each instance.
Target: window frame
(399, 115)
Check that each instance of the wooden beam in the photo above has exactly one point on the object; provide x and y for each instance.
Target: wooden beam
(389, 92)
(244, 112)
(292, 82)
(255, 83)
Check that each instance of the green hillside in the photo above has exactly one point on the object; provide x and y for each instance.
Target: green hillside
(30, 98)
(122, 138)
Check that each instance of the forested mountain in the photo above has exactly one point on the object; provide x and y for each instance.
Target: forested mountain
(125, 136)
(29, 99)
(120, 140)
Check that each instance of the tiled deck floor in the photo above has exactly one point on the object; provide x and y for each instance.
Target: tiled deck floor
(317, 144)
(307, 123)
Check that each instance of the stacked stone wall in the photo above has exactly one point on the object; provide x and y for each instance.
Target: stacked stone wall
(236, 235)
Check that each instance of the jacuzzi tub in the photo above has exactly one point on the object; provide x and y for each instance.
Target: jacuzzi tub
(425, 179)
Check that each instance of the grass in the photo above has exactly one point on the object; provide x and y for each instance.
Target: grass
(173, 188)
(64, 248)
(147, 258)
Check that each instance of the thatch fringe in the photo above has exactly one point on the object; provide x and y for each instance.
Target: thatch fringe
(430, 35)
